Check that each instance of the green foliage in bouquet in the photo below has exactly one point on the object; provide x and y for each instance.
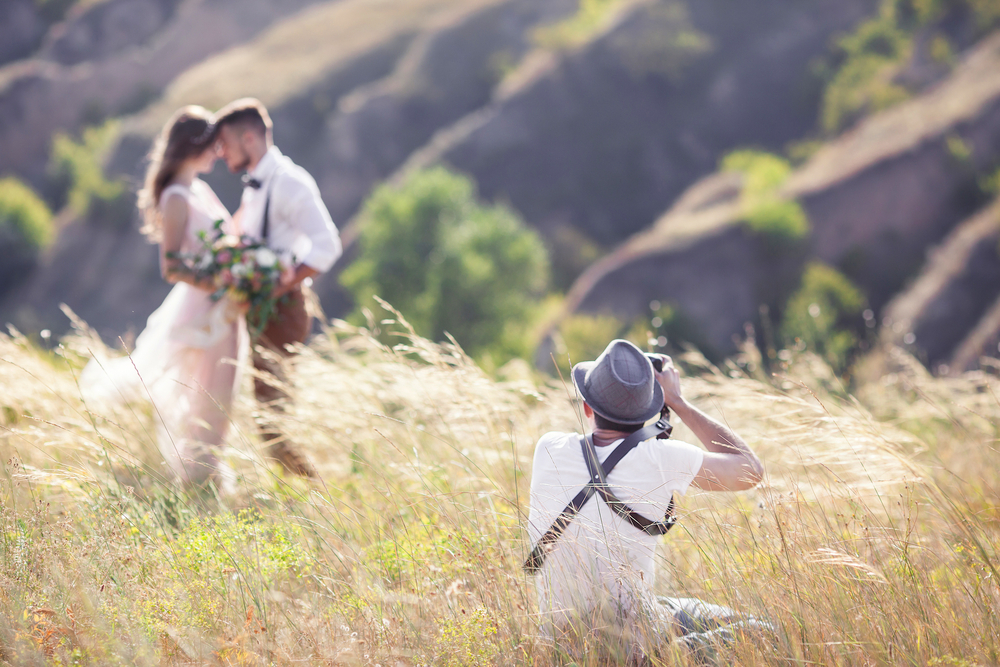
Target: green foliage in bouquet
(450, 264)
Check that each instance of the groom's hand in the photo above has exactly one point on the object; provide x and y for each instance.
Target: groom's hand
(287, 284)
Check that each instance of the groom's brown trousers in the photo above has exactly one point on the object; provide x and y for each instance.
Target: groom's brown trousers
(289, 325)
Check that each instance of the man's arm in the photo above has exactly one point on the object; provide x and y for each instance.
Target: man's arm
(729, 463)
(309, 213)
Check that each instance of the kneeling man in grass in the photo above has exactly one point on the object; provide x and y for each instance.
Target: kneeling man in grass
(597, 502)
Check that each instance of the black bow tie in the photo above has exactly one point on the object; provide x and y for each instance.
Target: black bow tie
(250, 182)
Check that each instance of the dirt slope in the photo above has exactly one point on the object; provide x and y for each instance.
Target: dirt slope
(614, 131)
(939, 314)
(877, 199)
(111, 59)
(353, 86)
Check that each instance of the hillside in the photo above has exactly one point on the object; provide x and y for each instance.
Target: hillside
(596, 136)
(111, 59)
(619, 127)
(877, 198)
(353, 105)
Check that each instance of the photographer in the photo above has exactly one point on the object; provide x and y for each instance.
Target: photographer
(594, 523)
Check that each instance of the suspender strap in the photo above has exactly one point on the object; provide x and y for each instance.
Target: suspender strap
(637, 520)
(265, 228)
(598, 484)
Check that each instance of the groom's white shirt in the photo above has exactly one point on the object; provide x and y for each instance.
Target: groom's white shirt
(300, 228)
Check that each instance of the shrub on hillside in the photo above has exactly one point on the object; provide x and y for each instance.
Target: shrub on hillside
(780, 221)
(24, 217)
(450, 264)
(590, 16)
(863, 76)
(583, 337)
(25, 228)
(668, 330)
(77, 167)
(824, 315)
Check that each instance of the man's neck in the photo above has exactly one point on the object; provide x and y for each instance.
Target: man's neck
(255, 159)
(605, 436)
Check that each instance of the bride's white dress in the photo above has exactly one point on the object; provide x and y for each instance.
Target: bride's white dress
(187, 360)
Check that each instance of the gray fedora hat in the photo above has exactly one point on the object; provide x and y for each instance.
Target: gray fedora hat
(619, 385)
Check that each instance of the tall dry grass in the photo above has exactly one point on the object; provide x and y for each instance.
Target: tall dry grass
(872, 541)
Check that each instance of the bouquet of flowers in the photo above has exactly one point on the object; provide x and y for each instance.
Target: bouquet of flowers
(240, 268)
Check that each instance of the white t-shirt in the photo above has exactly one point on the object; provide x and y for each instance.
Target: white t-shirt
(601, 558)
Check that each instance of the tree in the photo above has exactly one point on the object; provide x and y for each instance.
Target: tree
(450, 264)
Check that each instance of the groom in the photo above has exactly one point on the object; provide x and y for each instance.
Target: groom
(281, 206)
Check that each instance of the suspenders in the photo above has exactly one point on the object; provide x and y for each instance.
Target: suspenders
(265, 228)
(599, 484)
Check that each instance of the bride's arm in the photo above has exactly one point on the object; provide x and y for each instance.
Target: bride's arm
(175, 218)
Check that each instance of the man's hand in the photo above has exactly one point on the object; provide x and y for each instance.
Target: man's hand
(291, 279)
(670, 381)
(729, 463)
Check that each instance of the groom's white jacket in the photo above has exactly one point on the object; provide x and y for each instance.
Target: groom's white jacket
(300, 229)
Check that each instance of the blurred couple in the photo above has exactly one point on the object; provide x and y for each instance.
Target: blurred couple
(187, 360)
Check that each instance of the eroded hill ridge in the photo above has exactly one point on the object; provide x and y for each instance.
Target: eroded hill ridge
(599, 138)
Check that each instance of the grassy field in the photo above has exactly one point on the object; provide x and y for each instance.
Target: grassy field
(872, 541)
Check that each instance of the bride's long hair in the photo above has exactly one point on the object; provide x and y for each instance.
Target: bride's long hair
(187, 134)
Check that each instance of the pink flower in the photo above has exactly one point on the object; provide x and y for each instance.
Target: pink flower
(226, 277)
(224, 257)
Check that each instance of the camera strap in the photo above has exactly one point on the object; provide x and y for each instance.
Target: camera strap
(599, 484)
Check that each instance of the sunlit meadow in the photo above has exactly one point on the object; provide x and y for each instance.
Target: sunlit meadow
(872, 541)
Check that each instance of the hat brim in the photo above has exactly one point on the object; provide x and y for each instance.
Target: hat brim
(579, 373)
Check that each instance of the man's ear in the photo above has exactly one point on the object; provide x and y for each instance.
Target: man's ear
(587, 410)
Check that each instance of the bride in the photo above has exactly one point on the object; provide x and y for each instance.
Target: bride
(187, 359)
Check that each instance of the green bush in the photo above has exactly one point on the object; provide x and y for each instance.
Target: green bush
(782, 222)
(779, 220)
(867, 60)
(24, 216)
(668, 330)
(583, 337)
(824, 315)
(578, 28)
(870, 57)
(79, 168)
(450, 264)
(763, 172)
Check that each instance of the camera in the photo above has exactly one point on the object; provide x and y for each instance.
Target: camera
(657, 362)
